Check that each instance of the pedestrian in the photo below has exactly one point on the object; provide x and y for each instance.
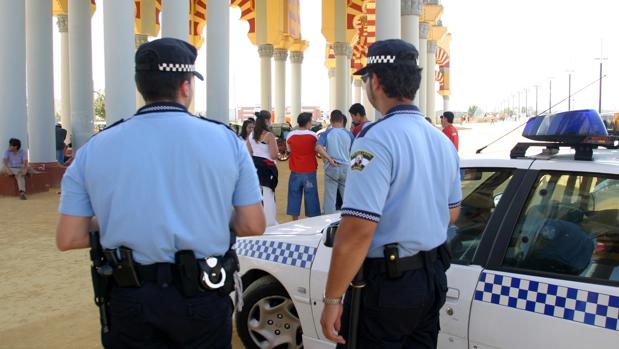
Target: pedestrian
(302, 183)
(262, 145)
(247, 128)
(165, 189)
(359, 119)
(402, 191)
(447, 120)
(15, 163)
(334, 147)
(61, 135)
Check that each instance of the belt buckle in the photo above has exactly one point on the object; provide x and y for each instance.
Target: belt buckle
(211, 271)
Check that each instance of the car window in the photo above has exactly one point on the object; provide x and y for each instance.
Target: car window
(481, 191)
(570, 225)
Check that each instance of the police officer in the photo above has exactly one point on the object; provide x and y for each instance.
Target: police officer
(160, 182)
(402, 191)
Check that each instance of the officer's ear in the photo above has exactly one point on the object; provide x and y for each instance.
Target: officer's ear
(185, 88)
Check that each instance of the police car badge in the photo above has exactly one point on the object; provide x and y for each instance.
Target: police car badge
(360, 159)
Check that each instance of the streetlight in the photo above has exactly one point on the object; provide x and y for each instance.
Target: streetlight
(550, 95)
(569, 89)
(536, 95)
(601, 59)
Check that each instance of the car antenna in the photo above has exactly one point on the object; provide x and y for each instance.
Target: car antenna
(478, 151)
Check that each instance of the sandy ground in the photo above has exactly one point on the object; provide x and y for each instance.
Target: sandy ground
(46, 296)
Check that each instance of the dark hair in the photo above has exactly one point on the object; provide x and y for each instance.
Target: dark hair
(449, 116)
(399, 81)
(160, 86)
(261, 123)
(357, 108)
(304, 118)
(244, 127)
(337, 116)
(14, 142)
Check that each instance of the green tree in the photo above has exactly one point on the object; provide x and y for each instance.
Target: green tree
(99, 104)
(473, 110)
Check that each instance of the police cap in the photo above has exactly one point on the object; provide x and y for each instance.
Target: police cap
(390, 52)
(167, 55)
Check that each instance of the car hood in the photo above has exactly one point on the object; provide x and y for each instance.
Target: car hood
(305, 231)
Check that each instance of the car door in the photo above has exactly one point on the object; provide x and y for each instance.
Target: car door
(487, 190)
(552, 279)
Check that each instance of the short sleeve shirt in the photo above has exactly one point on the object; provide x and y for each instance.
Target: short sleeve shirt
(405, 177)
(15, 160)
(160, 182)
(337, 142)
(452, 133)
(302, 146)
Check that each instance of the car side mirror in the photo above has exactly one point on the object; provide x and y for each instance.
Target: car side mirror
(330, 233)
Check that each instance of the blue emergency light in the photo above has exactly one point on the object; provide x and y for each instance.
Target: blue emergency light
(581, 130)
(567, 127)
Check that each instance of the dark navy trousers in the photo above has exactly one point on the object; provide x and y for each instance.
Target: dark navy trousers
(159, 316)
(400, 313)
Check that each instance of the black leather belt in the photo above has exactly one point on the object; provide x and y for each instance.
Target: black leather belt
(157, 272)
(405, 263)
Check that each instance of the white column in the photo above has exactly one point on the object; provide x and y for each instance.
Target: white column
(341, 78)
(175, 18)
(411, 10)
(332, 88)
(424, 30)
(65, 98)
(445, 103)
(388, 20)
(80, 74)
(140, 39)
(296, 59)
(119, 44)
(40, 75)
(357, 87)
(348, 81)
(266, 53)
(280, 56)
(13, 73)
(218, 60)
(430, 82)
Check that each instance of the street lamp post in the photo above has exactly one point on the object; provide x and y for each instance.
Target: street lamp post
(601, 59)
(569, 89)
(550, 96)
(536, 95)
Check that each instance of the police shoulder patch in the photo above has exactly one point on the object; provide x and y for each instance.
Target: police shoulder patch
(360, 159)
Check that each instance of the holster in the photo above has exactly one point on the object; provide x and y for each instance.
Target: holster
(200, 275)
(445, 255)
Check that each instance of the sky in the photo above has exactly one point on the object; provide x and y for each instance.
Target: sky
(500, 49)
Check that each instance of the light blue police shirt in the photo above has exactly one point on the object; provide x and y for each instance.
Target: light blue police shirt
(337, 142)
(404, 176)
(160, 182)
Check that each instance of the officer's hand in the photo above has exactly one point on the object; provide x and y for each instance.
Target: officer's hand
(330, 321)
(333, 162)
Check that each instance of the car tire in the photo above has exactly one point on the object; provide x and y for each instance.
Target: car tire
(269, 318)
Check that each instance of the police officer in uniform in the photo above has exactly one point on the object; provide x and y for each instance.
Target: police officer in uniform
(165, 189)
(402, 191)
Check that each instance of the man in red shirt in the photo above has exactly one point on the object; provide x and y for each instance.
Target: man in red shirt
(359, 120)
(303, 165)
(450, 130)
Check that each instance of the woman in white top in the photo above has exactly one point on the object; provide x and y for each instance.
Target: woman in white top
(262, 145)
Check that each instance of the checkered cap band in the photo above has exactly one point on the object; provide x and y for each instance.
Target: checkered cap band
(277, 252)
(565, 303)
(381, 59)
(175, 67)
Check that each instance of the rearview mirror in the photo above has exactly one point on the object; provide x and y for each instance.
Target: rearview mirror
(330, 233)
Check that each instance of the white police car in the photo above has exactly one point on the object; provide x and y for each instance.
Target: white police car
(536, 253)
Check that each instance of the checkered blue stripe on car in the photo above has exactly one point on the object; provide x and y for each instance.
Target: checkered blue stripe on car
(277, 251)
(562, 302)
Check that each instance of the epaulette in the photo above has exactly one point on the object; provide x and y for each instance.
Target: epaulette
(215, 122)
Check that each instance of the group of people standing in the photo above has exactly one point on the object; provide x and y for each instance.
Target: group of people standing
(332, 146)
